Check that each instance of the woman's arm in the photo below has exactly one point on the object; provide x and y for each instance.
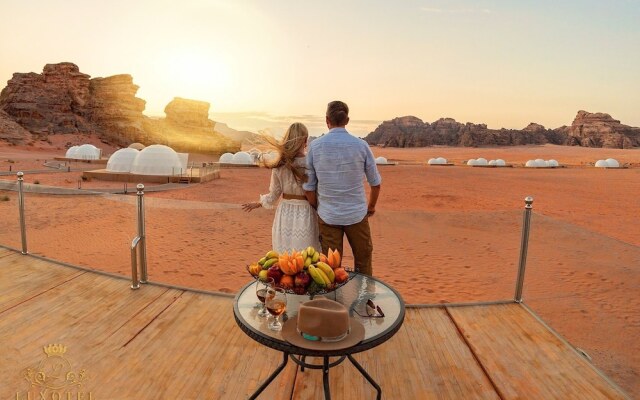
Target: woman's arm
(270, 199)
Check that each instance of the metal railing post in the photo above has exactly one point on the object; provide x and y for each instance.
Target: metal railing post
(142, 234)
(135, 283)
(524, 245)
(23, 228)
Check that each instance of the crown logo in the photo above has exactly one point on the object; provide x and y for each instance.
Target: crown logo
(54, 350)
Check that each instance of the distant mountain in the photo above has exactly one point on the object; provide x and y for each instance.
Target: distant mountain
(587, 130)
(237, 136)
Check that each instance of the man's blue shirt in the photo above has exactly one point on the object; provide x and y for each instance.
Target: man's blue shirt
(337, 165)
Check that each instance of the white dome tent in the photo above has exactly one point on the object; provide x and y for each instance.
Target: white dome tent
(226, 158)
(71, 152)
(242, 157)
(437, 161)
(122, 160)
(84, 152)
(613, 163)
(381, 160)
(158, 159)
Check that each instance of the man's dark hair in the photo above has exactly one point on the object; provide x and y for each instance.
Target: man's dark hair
(338, 113)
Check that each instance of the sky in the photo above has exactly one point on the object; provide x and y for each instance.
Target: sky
(265, 64)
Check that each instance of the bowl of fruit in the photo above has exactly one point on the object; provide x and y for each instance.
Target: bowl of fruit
(306, 272)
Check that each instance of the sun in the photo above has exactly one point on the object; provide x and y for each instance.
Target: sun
(198, 75)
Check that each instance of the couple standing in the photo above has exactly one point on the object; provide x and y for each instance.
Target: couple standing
(330, 179)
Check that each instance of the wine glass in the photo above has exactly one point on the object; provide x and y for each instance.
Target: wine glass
(276, 305)
(261, 292)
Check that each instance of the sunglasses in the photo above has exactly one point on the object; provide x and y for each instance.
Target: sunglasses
(372, 311)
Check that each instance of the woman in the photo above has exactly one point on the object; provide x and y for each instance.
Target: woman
(295, 225)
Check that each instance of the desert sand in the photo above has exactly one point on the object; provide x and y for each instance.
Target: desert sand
(441, 234)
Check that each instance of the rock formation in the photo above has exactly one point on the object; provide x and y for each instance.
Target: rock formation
(11, 131)
(590, 130)
(412, 132)
(64, 100)
(48, 103)
(116, 111)
(600, 130)
(187, 127)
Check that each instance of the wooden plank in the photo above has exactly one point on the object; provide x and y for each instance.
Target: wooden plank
(426, 359)
(526, 360)
(23, 277)
(89, 315)
(195, 350)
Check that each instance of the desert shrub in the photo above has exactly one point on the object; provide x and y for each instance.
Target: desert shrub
(10, 161)
(4, 198)
(36, 182)
(84, 178)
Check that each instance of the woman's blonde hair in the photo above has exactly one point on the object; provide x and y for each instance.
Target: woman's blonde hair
(295, 138)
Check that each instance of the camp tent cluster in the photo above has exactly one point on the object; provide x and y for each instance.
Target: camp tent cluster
(240, 158)
(608, 163)
(483, 161)
(156, 159)
(84, 152)
(437, 161)
(540, 163)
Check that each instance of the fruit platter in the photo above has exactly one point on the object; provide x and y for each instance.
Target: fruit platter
(306, 272)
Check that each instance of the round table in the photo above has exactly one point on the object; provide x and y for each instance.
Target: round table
(354, 295)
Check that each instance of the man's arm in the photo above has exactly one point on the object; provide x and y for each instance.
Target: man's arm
(311, 184)
(373, 199)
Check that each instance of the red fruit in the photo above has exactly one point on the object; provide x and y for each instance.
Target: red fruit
(286, 282)
(299, 290)
(275, 273)
(341, 275)
(302, 279)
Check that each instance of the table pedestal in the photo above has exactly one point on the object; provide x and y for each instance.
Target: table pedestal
(325, 373)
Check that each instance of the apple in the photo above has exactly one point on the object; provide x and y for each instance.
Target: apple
(302, 279)
(275, 273)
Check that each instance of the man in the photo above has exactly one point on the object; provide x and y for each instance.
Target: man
(337, 164)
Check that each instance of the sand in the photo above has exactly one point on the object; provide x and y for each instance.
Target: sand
(441, 234)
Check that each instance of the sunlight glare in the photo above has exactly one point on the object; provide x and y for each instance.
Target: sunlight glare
(198, 76)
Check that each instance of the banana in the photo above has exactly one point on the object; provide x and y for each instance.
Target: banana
(316, 257)
(327, 270)
(310, 251)
(307, 262)
(315, 275)
(262, 260)
(304, 254)
(269, 263)
(272, 254)
(324, 276)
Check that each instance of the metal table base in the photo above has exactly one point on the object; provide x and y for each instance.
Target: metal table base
(326, 365)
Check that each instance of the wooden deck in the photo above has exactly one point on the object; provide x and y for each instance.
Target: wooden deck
(168, 343)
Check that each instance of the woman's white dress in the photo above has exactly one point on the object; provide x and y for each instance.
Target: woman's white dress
(295, 225)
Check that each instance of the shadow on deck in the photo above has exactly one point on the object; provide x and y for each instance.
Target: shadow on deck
(161, 342)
